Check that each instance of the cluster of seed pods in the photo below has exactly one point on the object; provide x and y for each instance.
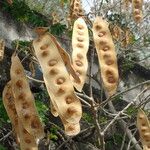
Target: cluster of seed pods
(75, 10)
(106, 55)
(137, 10)
(80, 46)
(143, 125)
(26, 140)
(2, 47)
(57, 81)
(24, 100)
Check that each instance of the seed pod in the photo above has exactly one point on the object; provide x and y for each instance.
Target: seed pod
(2, 47)
(55, 18)
(143, 125)
(70, 129)
(126, 3)
(66, 59)
(137, 10)
(57, 79)
(75, 10)
(80, 45)
(27, 141)
(9, 104)
(24, 100)
(106, 55)
(53, 110)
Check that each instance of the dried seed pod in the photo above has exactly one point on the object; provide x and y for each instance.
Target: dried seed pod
(70, 129)
(55, 18)
(143, 125)
(66, 59)
(2, 47)
(80, 45)
(53, 110)
(126, 3)
(75, 10)
(137, 10)
(27, 141)
(41, 30)
(57, 80)
(24, 100)
(9, 104)
(106, 55)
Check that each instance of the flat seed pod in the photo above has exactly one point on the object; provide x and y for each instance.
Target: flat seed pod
(80, 46)
(143, 125)
(137, 10)
(106, 55)
(9, 104)
(2, 47)
(24, 100)
(75, 10)
(71, 129)
(126, 3)
(57, 79)
(67, 61)
(27, 141)
(53, 110)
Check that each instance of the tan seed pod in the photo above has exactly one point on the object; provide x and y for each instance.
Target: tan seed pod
(24, 100)
(70, 129)
(106, 55)
(55, 18)
(80, 46)
(66, 59)
(75, 10)
(57, 80)
(53, 110)
(137, 10)
(27, 141)
(143, 125)
(41, 30)
(9, 104)
(137, 14)
(2, 47)
(126, 3)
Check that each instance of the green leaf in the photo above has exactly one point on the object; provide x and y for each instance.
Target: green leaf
(2, 147)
